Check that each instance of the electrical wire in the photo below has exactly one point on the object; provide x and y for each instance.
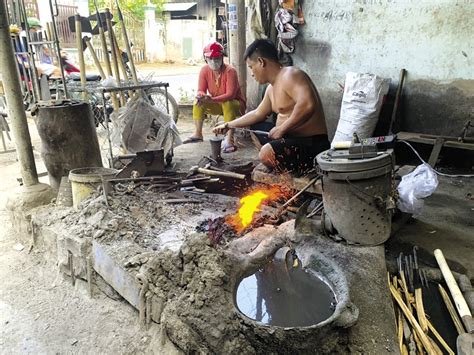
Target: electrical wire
(437, 172)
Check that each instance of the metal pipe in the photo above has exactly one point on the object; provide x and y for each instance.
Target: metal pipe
(11, 84)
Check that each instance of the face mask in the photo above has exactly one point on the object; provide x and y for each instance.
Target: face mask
(215, 63)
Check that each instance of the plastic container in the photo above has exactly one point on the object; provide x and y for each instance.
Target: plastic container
(85, 180)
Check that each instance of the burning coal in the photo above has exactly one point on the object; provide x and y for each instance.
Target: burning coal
(250, 204)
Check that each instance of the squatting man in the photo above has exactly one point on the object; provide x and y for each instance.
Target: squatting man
(300, 132)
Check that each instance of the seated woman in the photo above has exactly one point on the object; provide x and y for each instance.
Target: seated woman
(218, 94)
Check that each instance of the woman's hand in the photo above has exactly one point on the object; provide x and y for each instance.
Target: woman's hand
(221, 129)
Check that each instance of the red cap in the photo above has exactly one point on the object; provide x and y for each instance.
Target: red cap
(213, 50)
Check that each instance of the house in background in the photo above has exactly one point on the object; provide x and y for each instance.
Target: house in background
(188, 26)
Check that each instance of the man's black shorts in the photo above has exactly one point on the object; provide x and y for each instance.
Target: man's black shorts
(295, 154)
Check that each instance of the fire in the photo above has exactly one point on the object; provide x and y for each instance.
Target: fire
(249, 205)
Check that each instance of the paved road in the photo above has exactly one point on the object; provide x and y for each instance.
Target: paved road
(181, 85)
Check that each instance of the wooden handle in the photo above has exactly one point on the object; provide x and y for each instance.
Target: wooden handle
(456, 293)
(221, 173)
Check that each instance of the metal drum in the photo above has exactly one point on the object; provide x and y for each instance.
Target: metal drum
(68, 138)
(357, 196)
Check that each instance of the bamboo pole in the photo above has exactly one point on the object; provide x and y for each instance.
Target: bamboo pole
(440, 338)
(80, 51)
(127, 45)
(105, 51)
(94, 57)
(452, 312)
(420, 310)
(115, 66)
(406, 311)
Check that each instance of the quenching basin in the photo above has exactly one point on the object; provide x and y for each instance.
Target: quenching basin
(285, 296)
(304, 310)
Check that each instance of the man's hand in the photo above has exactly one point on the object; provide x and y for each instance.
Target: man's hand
(276, 133)
(221, 129)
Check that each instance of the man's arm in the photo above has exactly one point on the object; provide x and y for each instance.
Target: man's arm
(300, 89)
(250, 118)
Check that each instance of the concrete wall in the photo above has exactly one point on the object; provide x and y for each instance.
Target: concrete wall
(431, 39)
(176, 30)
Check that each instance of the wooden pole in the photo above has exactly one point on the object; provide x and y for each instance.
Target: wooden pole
(127, 45)
(16, 110)
(94, 57)
(115, 66)
(80, 51)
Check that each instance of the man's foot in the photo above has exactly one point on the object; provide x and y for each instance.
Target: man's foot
(192, 140)
(228, 147)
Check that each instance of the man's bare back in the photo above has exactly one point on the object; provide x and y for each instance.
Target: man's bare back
(282, 102)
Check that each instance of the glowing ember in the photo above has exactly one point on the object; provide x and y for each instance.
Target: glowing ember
(249, 205)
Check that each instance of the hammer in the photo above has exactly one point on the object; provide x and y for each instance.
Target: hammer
(197, 169)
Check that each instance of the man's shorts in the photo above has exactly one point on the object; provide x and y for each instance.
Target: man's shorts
(295, 154)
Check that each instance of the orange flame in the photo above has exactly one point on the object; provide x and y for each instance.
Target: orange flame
(249, 205)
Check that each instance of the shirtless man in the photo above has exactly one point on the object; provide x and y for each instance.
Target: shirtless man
(300, 131)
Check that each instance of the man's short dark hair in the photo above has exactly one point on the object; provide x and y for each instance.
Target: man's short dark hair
(261, 48)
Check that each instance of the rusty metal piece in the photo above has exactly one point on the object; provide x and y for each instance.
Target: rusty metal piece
(149, 162)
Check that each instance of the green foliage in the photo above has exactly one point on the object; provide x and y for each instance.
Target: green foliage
(132, 8)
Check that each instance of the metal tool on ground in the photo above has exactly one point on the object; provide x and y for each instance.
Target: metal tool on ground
(283, 207)
(150, 162)
(196, 169)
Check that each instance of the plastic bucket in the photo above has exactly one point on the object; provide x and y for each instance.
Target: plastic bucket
(85, 180)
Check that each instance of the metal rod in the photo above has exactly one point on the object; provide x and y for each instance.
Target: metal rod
(58, 47)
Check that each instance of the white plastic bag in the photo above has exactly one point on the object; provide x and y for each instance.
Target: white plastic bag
(109, 82)
(414, 187)
(361, 104)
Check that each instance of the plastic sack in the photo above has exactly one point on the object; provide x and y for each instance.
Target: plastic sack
(414, 187)
(109, 82)
(361, 104)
